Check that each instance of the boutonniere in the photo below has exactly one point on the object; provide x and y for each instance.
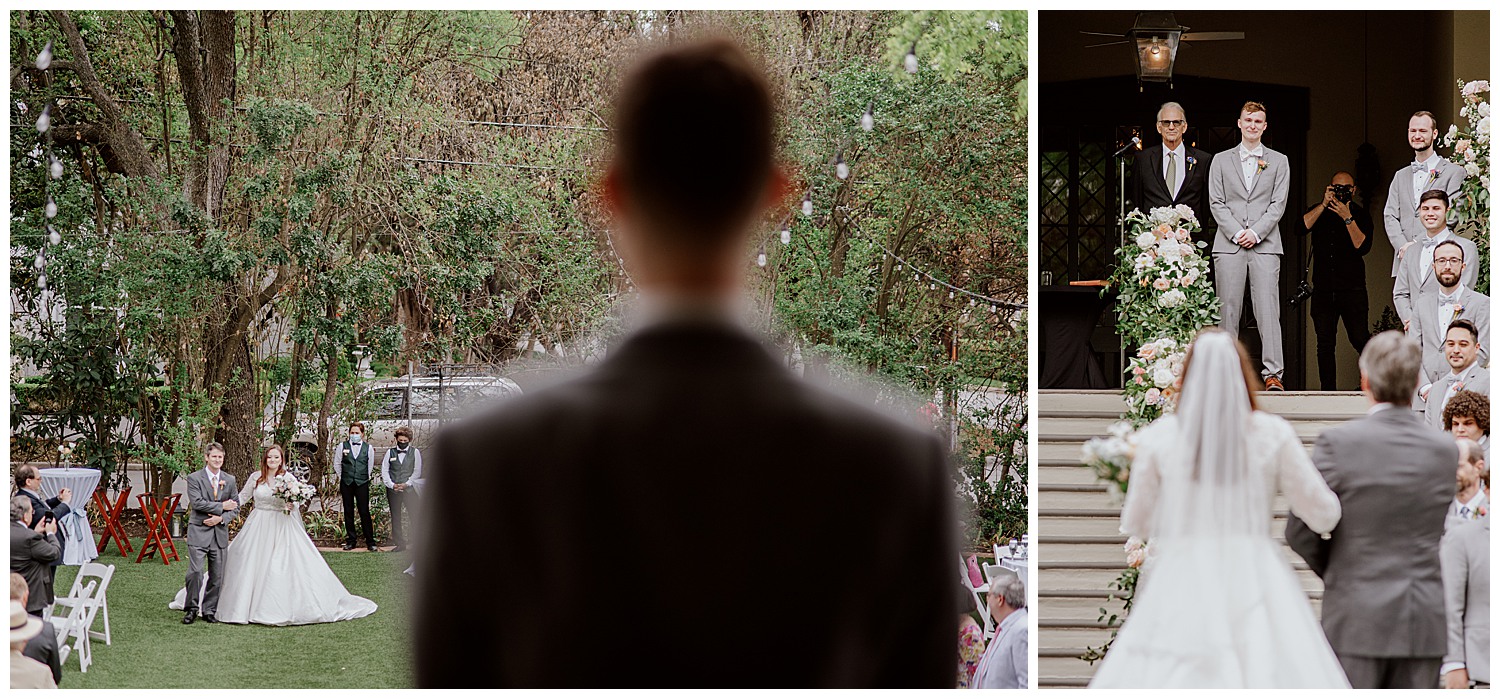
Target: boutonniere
(1432, 175)
(1481, 511)
(1260, 165)
(1458, 386)
(1458, 310)
(1191, 161)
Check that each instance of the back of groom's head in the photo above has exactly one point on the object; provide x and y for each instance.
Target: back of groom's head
(1389, 366)
(694, 133)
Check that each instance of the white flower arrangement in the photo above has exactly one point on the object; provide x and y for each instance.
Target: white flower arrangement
(1110, 457)
(1471, 149)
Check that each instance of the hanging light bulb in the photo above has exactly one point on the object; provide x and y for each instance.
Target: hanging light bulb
(41, 282)
(56, 168)
(867, 122)
(971, 303)
(932, 286)
(950, 295)
(44, 59)
(760, 259)
(40, 261)
(992, 308)
(807, 204)
(51, 209)
(44, 121)
(898, 268)
(911, 59)
(53, 236)
(916, 277)
(786, 233)
(843, 167)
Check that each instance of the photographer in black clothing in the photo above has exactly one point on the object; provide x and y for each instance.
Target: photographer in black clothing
(1340, 232)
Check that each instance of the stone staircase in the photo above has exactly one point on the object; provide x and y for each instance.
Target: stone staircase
(1080, 550)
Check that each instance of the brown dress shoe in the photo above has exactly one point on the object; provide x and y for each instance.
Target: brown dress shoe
(1274, 384)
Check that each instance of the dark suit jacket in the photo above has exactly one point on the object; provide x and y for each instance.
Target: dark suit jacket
(1151, 189)
(687, 514)
(1383, 584)
(58, 508)
(43, 649)
(34, 556)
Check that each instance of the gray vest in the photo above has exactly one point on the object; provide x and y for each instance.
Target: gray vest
(401, 471)
(356, 471)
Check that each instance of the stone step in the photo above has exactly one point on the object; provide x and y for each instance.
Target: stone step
(1097, 575)
(1070, 451)
(1286, 404)
(1079, 526)
(1083, 497)
(1063, 473)
(1064, 666)
(1053, 430)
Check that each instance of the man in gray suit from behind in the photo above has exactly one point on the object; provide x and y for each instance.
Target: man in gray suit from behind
(1247, 190)
(1428, 170)
(1466, 583)
(211, 493)
(1383, 585)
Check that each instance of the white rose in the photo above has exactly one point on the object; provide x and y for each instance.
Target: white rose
(1172, 298)
(1484, 127)
(1484, 109)
(1145, 239)
(1452, 131)
(1162, 376)
(1472, 169)
(1185, 212)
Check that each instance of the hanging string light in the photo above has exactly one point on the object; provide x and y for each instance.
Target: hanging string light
(867, 122)
(786, 232)
(807, 208)
(842, 168)
(44, 121)
(44, 59)
(911, 59)
(760, 259)
(953, 291)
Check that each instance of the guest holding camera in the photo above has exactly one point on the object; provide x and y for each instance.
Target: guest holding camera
(1340, 232)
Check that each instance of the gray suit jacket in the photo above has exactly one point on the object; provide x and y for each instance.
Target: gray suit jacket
(1412, 287)
(33, 555)
(1401, 223)
(1383, 585)
(1259, 208)
(1477, 381)
(1431, 334)
(202, 504)
(1466, 586)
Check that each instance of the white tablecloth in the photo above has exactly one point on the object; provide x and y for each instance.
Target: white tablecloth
(80, 547)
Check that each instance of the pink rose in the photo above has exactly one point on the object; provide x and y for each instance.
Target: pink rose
(1153, 396)
(1161, 284)
(1186, 249)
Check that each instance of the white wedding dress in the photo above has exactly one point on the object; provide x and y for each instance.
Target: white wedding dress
(274, 575)
(1218, 604)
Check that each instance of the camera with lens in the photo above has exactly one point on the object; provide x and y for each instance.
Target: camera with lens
(1304, 292)
(1343, 192)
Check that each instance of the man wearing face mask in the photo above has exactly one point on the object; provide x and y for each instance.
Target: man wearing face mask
(400, 470)
(351, 465)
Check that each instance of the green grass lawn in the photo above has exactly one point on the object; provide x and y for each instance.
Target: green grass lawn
(152, 648)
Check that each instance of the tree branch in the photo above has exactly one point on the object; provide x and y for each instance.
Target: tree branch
(125, 141)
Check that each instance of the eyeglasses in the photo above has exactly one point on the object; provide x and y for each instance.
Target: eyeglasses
(1172, 123)
(1448, 260)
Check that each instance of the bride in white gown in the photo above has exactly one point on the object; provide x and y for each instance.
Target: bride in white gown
(1218, 604)
(273, 574)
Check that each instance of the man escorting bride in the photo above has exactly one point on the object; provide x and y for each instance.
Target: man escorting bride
(1218, 605)
(271, 573)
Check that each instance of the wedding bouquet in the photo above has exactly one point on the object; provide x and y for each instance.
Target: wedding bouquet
(1110, 457)
(292, 491)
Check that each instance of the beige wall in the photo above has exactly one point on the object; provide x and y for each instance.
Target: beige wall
(1332, 53)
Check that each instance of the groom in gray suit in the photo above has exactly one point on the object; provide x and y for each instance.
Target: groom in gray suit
(1463, 369)
(1383, 585)
(1431, 314)
(1247, 189)
(1428, 170)
(211, 493)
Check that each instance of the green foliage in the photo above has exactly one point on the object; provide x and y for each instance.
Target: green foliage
(993, 472)
(1125, 585)
(957, 44)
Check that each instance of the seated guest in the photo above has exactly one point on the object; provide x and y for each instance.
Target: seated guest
(1004, 662)
(33, 552)
(1467, 416)
(26, 673)
(1433, 314)
(1470, 502)
(1466, 591)
(1461, 350)
(42, 647)
(970, 648)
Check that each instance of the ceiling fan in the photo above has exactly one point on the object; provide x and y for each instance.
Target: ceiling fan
(1156, 36)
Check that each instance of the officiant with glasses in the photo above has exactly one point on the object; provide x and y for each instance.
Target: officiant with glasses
(1172, 172)
(1340, 230)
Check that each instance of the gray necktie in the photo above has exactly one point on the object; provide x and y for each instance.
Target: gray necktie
(1172, 174)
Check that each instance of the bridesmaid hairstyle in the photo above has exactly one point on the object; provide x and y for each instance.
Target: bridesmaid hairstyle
(1252, 380)
(264, 458)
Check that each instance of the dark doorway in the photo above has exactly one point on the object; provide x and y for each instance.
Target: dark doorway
(1083, 122)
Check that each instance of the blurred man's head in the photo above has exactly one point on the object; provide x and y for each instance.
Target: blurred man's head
(1388, 368)
(1470, 464)
(694, 162)
(1467, 415)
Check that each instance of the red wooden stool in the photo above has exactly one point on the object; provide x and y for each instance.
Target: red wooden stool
(158, 529)
(111, 516)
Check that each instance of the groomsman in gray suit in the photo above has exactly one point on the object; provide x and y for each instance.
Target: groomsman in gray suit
(1428, 170)
(1461, 349)
(1432, 313)
(1247, 189)
(1416, 280)
(1466, 583)
(1383, 584)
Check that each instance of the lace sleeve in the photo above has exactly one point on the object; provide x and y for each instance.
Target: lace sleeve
(249, 490)
(1144, 488)
(1308, 494)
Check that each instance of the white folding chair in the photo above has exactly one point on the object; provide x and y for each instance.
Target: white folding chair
(74, 624)
(977, 593)
(103, 574)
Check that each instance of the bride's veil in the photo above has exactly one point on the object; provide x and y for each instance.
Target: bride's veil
(1207, 486)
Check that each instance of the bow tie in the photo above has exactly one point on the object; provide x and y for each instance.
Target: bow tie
(1447, 300)
(1418, 166)
(1244, 156)
(1431, 241)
